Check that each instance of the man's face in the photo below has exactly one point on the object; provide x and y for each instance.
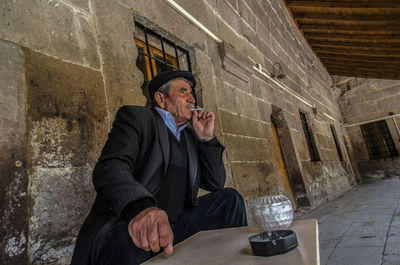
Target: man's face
(180, 101)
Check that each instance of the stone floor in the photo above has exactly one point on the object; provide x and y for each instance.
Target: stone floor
(362, 227)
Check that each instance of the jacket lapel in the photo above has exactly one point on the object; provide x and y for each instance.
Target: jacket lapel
(193, 157)
(163, 138)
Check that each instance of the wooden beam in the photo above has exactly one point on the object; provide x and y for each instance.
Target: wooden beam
(356, 50)
(359, 4)
(376, 72)
(352, 22)
(364, 74)
(351, 68)
(360, 58)
(357, 64)
(355, 28)
(355, 35)
(334, 52)
(347, 13)
(298, 27)
(370, 43)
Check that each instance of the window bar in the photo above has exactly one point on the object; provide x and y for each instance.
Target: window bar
(162, 61)
(148, 51)
(176, 55)
(188, 60)
(163, 50)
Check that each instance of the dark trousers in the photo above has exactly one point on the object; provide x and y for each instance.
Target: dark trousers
(220, 209)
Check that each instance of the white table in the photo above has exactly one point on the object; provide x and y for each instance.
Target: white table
(231, 246)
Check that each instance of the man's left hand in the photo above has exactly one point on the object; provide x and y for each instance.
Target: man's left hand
(203, 123)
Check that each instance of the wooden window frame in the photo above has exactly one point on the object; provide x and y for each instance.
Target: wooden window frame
(312, 147)
(336, 140)
(150, 53)
(378, 140)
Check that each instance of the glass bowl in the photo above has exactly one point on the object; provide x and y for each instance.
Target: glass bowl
(272, 212)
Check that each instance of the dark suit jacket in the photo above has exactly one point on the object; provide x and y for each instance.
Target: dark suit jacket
(127, 169)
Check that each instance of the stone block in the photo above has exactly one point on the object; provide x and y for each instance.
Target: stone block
(390, 103)
(156, 14)
(391, 91)
(253, 178)
(235, 124)
(383, 83)
(364, 109)
(13, 166)
(68, 126)
(277, 96)
(212, 51)
(247, 105)
(371, 96)
(237, 65)
(235, 78)
(233, 3)
(262, 17)
(213, 3)
(253, 54)
(229, 14)
(81, 4)
(246, 13)
(226, 97)
(122, 78)
(201, 11)
(269, 55)
(206, 85)
(255, 87)
(263, 32)
(241, 148)
(264, 110)
(50, 27)
(248, 33)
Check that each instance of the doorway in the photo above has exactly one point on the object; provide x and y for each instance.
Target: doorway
(282, 166)
(292, 178)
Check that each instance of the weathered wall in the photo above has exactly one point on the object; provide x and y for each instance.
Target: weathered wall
(64, 74)
(363, 100)
(67, 120)
(71, 64)
(13, 159)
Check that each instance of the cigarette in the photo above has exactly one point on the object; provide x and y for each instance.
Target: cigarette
(197, 109)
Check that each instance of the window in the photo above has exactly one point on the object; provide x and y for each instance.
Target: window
(309, 138)
(378, 140)
(157, 54)
(338, 149)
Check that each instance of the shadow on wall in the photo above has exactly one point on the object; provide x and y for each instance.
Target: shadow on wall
(67, 126)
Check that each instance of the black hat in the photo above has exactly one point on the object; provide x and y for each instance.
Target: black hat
(164, 77)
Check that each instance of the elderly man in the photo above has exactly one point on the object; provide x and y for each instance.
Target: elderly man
(148, 175)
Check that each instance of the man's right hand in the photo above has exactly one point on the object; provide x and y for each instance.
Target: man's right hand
(150, 230)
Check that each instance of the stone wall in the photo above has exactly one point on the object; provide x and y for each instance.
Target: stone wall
(70, 64)
(362, 100)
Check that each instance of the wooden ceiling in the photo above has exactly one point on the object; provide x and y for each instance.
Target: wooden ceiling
(358, 38)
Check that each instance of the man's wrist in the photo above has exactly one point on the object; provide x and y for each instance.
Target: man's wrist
(206, 139)
(134, 208)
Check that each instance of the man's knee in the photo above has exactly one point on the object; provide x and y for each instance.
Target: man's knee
(235, 204)
(232, 194)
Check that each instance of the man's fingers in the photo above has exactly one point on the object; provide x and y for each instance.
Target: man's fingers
(133, 234)
(166, 237)
(150, 230)
(144, 243)
(168, 249)
(153, 237)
